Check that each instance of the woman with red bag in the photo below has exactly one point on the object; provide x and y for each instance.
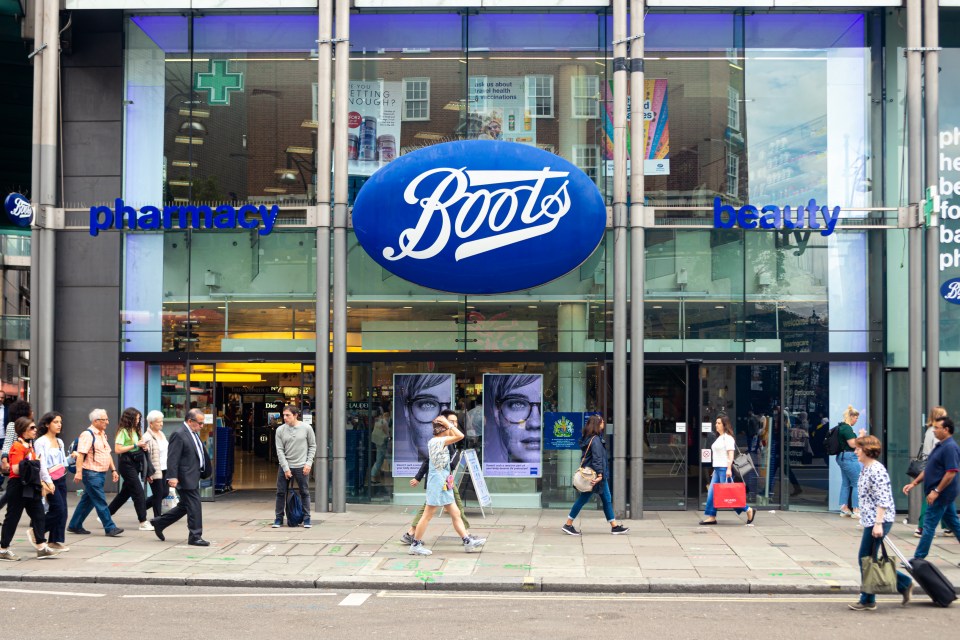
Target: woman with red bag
(724, 448)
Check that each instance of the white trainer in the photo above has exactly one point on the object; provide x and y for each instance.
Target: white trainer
(420, 550)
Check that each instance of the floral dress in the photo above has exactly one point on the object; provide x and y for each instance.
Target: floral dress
(439, 469)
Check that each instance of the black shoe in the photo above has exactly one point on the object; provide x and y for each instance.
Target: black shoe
(198, 542)
(157, 529)
(569, 530)
(80, 531)
(707, 522)
(113, 533)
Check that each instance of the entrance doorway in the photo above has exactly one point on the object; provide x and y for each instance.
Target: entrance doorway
(683, 400)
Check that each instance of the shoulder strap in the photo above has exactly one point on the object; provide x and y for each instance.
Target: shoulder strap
(587, 451)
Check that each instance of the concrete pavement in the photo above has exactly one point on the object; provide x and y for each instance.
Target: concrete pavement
(666, 552)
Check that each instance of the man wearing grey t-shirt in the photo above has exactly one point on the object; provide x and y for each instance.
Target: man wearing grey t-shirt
(296, 448)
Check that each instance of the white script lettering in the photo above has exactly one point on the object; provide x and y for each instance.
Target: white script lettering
(22, 210)
(464, 209)
(953, 292)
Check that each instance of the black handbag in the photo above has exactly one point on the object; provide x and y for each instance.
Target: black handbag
(918, 464)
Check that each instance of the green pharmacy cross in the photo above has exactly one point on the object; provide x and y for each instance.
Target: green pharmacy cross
(219, 82)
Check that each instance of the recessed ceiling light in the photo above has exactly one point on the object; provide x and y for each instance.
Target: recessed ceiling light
(531, 306)
(657, 306)
(281, 307)
(408, 307)
(719, 306)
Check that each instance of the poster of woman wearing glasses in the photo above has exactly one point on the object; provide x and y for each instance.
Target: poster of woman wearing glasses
(512, 426)
(418, 398)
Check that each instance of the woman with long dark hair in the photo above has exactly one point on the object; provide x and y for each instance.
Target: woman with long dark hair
(595, 457)
(53, 456)
(24, 492)
(722, 453)
(130, 448)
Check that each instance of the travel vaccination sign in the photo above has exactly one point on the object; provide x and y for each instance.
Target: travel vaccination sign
(499, 110)
(479, 217)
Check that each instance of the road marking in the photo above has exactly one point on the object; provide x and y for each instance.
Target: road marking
(226, 595)
(56, 593)
(622, 598)
(354, 600)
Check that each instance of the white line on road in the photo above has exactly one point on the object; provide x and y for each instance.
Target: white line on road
(354, 600)
(56, 593)
(229, 595)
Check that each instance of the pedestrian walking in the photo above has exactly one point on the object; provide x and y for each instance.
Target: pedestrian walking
(93, 463)
(157, 447)
(131, 449)
(877, 515)
(440, 487)
(25, 490)
(723, 450)
(940, 486)
(187, 464)
(18, 409)
(595, 457)
(929, 442)
(53, 457)
(455, 455)
(849, 465)
(296, 448)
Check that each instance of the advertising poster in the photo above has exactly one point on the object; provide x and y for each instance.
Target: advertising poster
(418, 398)
(373, 138)
(948, 154)
(656, 128)
(512, 425)
(498, 110)
(562, 430)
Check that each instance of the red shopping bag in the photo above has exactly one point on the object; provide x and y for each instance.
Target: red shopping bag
(730, 495)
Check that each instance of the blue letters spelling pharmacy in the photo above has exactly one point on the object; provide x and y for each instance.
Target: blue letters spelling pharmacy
(774, 217)
(184, 217)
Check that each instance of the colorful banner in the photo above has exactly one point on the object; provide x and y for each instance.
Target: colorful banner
(373, 138)
(562, 430)
(656, 127)
(498, 110)
(418, 398)
(512, 426)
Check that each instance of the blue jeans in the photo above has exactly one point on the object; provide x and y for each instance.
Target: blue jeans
(940, 510)
(605, 498)
(93, 498)
(866, 547)
(719, 477)
(850, 469)
(56, 520)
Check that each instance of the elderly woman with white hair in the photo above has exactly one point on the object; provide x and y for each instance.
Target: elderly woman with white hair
(157, 449)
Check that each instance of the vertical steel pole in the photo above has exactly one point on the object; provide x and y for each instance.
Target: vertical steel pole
(341, 93)
(637, 259)
(620, 239)
(915, 233)
(931, 103)
(321, 409)
(37, 153)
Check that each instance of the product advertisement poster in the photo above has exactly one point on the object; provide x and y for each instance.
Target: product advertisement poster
(373, 136)
(512, 426)
(498, 110)
(562, 430)
(418, 398)
(656, 128)
(948, 154)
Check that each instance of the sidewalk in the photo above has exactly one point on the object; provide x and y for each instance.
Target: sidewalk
(666, 552)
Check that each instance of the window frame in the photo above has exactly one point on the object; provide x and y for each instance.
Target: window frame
(532, 106)
(406, 117)
(580, 91)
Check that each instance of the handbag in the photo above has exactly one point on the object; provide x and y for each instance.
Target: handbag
(729, 495)
(448, 483)
(743, 464)
(169, 501)
(57, 471)
(918, 464)
(584, 477)
(878, 573)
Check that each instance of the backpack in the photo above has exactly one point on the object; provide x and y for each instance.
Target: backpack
(294, 506)
(71, 460)
(832, 443)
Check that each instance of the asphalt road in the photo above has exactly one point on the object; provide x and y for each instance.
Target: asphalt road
(116, 611)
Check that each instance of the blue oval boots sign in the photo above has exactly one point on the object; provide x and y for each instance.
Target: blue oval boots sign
(479, 217)
(950, 291)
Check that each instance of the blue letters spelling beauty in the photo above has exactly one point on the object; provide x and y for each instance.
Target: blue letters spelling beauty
(773, 217)
(184, 217)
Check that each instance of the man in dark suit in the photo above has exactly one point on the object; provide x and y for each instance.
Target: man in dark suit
(187, 463)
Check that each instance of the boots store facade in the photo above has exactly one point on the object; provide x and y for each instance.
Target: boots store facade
(488, 231)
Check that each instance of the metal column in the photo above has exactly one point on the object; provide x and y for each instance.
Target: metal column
(321, 409)
(915, 233)
(620, 254)
(637, 259)
(36, 152)
(931, 98)
(341, 91)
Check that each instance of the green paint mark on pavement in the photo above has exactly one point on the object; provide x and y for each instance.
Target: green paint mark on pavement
(428, 576)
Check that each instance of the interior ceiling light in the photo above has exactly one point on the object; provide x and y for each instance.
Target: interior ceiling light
(194, 113)
(193, 127)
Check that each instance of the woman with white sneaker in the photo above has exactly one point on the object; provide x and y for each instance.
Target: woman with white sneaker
(440, 487)
(877, 514)
(52, 454)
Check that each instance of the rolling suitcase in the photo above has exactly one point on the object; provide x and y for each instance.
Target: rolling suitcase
(928, 576)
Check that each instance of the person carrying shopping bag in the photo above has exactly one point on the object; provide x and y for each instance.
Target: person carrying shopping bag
(723, 450)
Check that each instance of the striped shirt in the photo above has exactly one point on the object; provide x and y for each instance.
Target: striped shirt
(99, 459)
